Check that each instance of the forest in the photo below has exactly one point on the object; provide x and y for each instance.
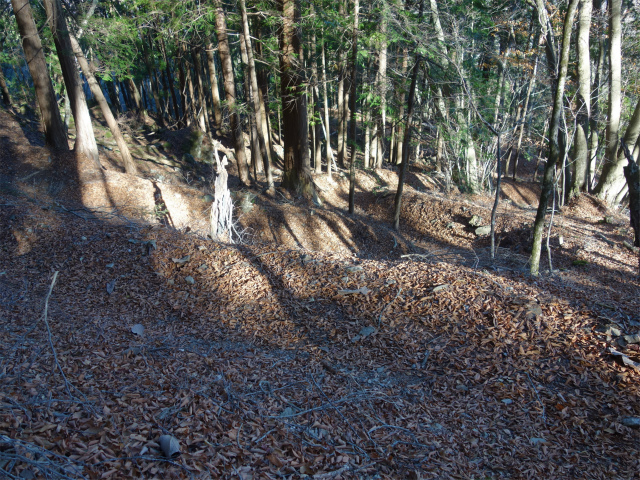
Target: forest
(319, 239)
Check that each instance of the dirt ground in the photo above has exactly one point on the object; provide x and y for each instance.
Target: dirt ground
(324, 345)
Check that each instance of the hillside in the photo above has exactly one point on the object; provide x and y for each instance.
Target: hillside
(325, 345)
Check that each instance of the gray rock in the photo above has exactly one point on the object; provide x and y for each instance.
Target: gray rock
(483, 231)
(189, 280)
(475, 221)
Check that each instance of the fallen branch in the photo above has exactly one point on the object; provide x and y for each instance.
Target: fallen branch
(46, 321)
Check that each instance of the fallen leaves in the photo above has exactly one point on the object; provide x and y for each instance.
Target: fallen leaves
(279, 365)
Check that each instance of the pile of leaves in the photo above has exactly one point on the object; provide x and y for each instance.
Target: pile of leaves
(268, 361)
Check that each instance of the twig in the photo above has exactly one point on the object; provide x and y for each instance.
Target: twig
(387, 305)
(46, 321)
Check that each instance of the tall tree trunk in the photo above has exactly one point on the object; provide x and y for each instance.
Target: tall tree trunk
(341, 89)
(215, 92)
(397, 155)
(174, 99)
(523, 116)
(155, 87)
(203, 116)
(127, 160)
(296, 175)
(54, 132)
(580, 142)
(85, 140)
(612, 175)
(354, 82)
(256, 154)
(256, 105)
(182, 79)
(381, 84)
(327, 133)
(594, 129)
(317, 146)
(230, 92)
(554, 147)
(405, 153)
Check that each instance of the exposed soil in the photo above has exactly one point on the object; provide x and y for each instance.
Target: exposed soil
(325, 345)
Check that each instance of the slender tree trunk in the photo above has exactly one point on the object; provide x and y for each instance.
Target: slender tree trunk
(329, 152)
(54, 132)
(230, 92)
(612, 174)
(341, 105)
(594, 139)
(354, 78)
(155, 87)
(317, 146)
(169, 75)
(256, 154)
(523, 116)
(397, 156)
(256, 104)
(580, 142)
(85, 140)
(405, 152)
(127, 160)
(201, 104)
(215, 91)
(382, 88)
(554, 147)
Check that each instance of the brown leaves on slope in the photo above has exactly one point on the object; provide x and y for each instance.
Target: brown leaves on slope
(262, 368)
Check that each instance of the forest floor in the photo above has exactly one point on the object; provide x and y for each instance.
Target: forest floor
(325, 345)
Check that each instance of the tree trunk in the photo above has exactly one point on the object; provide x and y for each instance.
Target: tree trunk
(256, 105)
(381, 84)
(215, 91)
(155, 87)
(296, 175)
(405, 152)
(354, 78)
(230, 92)
(397, 155)
(127, 161)
(523, 116)
(85, 140)
(6, 96)
(612, 174)
(203, 116)
(174, 99)
(54, 133)
(554, 147)
(580, 142)
(327, 133)
(256, 154)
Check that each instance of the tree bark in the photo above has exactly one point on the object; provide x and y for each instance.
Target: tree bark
(230, 92)
(612, 175)
(296, 175)
(127, 160)
(554, 147)
(354, 78)
(580, 142)
(85, 140)
(215, 91)
(256, 105)
(405, 152)
(54, 132)
(382, 88)
(203, 116)
(174, 99)
(327, 133)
